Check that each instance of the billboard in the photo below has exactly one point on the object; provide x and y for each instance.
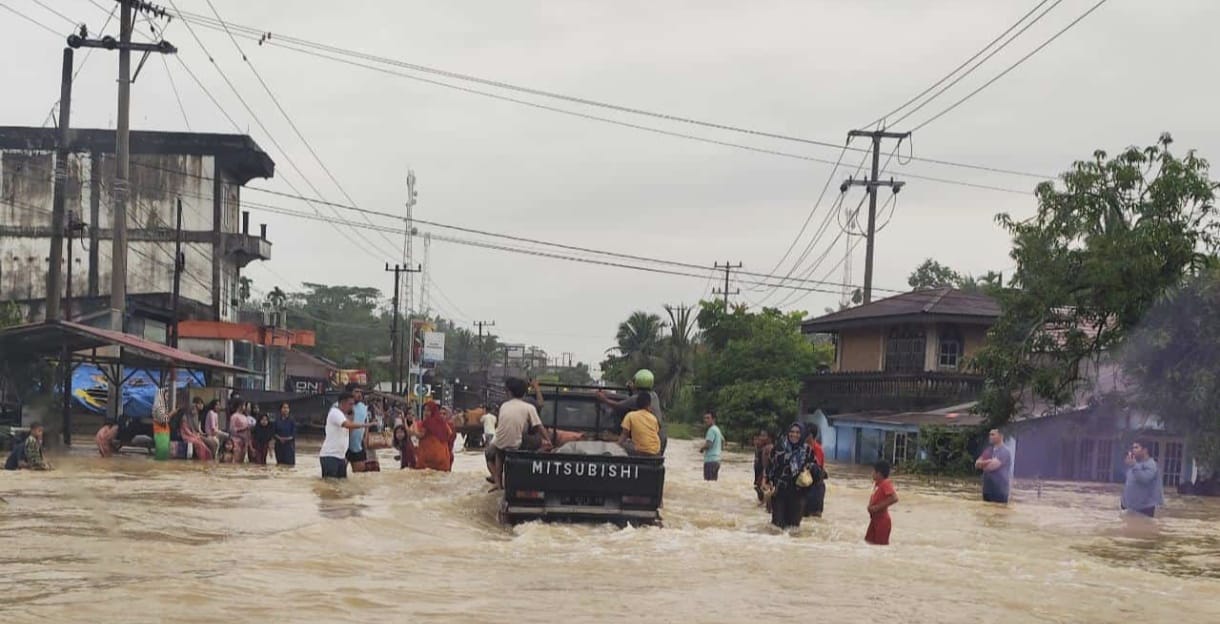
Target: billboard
(434, 347)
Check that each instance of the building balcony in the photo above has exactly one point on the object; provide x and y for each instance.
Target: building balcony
(244, 248)
(836, 393)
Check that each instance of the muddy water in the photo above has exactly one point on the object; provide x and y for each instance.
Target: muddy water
(133, 540)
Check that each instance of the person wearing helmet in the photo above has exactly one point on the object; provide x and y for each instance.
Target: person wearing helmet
(642, 382)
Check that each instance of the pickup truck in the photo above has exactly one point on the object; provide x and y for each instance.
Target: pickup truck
(589, 480)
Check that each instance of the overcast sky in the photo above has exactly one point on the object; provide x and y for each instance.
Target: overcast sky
(809, 69)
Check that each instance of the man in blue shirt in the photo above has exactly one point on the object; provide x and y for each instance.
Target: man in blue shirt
(713, 447)
(1143, 491)
(996, 464)
(356, 454)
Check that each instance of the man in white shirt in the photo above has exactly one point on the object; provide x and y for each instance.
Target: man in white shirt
(489, 427)
(517, 420)
(333, 455)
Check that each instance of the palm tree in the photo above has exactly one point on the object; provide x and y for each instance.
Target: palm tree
(639, 336)
(677, 356)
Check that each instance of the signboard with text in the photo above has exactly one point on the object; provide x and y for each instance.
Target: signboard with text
(434, 346)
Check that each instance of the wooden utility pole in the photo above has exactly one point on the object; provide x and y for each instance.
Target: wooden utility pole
(179, 268)
(728, 270)
(58, 200)
(65, 359)
(871, 184)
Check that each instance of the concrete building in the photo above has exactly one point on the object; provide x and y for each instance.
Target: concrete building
(207, 173)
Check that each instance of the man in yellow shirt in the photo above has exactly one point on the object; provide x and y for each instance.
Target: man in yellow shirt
(641, 431)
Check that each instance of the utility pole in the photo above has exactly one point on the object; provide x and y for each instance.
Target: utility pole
(179, 268)
(871, 184)
(55, 274)
(396, 341)
(118, 270)
(483, 363)
(65, 359)
(727, 267)
(426, 276)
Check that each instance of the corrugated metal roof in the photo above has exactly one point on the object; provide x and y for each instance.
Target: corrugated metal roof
(937, 304)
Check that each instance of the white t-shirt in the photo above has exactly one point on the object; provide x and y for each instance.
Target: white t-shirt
(335, 444)
(516, 418)
(489, 424)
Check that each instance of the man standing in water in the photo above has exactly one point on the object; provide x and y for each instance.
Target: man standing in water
(356, 454)
(1143, 491)
(713, 447)
(333, 455)
(996, 464)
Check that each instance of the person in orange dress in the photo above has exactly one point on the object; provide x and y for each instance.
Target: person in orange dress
(884, 496)
(436, 442)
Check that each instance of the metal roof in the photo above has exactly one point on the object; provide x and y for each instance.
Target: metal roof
(955, 416)
(48, 339)
(941, 304)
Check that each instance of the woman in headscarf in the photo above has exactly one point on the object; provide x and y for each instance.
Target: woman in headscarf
(264, 433)
(436, 440)
(791, 461)
(285, 438)
(405, 447)
(192, 433)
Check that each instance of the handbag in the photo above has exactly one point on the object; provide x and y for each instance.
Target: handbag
(805, 479)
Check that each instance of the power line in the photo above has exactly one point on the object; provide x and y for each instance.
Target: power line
(30, 19)
(65, 18)
(291, 123)
(949, 75)
(1010, 67)
(264, 38)
(177, 97)
(287, 157)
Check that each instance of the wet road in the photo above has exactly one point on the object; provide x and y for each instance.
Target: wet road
(133, 540)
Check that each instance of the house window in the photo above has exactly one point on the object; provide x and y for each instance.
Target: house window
(950, 354)
(1171, 463)
(905, 350)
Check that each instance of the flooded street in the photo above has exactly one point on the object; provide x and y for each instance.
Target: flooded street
(134, 540)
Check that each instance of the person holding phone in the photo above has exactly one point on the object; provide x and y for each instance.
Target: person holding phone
(1143, 491)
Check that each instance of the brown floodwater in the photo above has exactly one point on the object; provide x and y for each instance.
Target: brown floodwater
(130, 539)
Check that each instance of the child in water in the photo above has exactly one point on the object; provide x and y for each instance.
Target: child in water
(228, 452)
(884, 496)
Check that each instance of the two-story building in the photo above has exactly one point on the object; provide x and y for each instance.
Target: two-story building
(900, 363)
(206, 173)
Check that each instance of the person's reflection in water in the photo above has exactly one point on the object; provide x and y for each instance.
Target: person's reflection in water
(338, 499)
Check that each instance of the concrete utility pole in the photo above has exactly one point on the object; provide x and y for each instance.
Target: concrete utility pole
(728, 270)
(483, 363)
(179, 267)
(871, 184)
(118, 270)
(55, 272)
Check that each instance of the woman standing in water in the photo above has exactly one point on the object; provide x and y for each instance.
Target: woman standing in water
(239, 430)
(436, 440)
(263, 434)
(790, 478)
(285, 438)
(405, 447)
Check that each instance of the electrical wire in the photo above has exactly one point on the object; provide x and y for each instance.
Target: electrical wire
(970, 60)
(30, 19)
(169, 74)
(291, 123)
(263, 37)
(364, 248)
(1010, 67)
(65, 18)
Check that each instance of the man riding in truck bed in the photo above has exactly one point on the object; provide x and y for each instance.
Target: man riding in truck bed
(642, 382)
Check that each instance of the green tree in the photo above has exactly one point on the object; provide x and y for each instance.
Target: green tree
(751, 368)
(351, 329)
(638, 345)
(1171, 360)
(1099, 252)
(932, 274)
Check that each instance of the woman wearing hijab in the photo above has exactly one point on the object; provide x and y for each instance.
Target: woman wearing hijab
(436, 440)
(405, 447)
(790, 477)
(285, 438)
(264, 433)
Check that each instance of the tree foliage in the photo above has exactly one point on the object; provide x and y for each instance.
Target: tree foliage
(932, 274)
(1099, 252)
(1172, 361)
(751, 367)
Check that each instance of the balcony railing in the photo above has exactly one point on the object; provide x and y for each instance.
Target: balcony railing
(851, 392)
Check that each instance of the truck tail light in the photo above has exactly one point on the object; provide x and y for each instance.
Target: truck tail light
(530, 494)
(637, 500)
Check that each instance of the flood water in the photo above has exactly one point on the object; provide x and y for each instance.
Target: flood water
(133, 540)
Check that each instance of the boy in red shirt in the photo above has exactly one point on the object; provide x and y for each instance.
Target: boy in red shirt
(884, 495)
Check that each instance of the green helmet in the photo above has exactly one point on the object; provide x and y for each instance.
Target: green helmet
(644, 379)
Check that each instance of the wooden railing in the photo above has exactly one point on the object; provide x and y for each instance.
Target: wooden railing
(844, 392)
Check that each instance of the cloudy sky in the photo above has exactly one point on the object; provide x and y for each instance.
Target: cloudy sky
(811, 70)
